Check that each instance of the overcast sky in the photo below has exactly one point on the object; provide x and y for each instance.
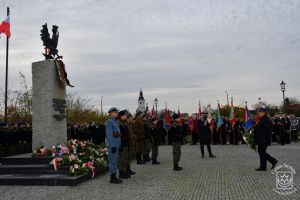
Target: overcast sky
(180, 51)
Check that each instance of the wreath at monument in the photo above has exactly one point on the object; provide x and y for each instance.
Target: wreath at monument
(79, 158)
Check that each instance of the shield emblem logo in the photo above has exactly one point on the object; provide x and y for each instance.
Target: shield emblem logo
(284, 180)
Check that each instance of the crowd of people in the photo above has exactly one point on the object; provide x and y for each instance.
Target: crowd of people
(141, 135)
(15, 138)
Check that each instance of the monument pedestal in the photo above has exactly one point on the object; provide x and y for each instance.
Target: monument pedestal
(49, 126)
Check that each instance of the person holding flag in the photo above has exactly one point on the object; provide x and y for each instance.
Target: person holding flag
(204, 135)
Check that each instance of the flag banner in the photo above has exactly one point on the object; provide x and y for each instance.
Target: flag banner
(209, 115)
(5, 27)
(232, 117)
(248, 119)
(167, 120)
(219, 120)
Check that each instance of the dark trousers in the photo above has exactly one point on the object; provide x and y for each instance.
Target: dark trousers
(195, 138)
(264, 156)
(294, 134)
(207, 143)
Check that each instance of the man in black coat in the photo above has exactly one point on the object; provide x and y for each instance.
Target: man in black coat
(204, 135)
(263, 139)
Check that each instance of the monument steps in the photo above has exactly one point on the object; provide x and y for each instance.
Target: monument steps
(27, 170)
(42, 179)
(25, 159)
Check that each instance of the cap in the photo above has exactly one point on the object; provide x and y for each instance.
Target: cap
(113, 109)
(153, 120)
(176, 116)
(262, 108)
(122, 113)
(145, 115)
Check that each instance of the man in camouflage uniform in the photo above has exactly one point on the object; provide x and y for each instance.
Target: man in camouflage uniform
(131, 147)
(146, 157)
(176, 134)
(139, 132)
(155, 139)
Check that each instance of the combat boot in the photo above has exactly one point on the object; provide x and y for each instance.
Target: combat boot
(177, 168)
(114, 179)
(146, 158)
(130, 171)
(155, 162)
(123, 175)
(139, 160)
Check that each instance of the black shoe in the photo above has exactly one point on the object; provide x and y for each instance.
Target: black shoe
(212, 156)
(260, 169)
(114, 179)
(155, 162)
(146, 158)
(274, 164)
(177, 168)
(130, 171)
(123, 175)
(139, 160)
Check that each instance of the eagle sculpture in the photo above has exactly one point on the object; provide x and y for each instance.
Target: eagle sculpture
(50, 44)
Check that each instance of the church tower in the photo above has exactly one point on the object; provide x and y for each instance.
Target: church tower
(141, 102)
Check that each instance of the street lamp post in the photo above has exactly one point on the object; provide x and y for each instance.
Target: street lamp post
(156, 103)
(282, 86)
(101, 105)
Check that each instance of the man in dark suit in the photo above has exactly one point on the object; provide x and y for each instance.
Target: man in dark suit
(204, 135)
(263, 139)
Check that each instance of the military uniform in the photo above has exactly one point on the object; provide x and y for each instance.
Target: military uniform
(131, 146)
(155, 139)
(113, 143)
(139, 132)
(176, 134)
(147, 150)
(124, 159)
(262, 138)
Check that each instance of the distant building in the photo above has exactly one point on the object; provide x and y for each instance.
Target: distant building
(141, 103)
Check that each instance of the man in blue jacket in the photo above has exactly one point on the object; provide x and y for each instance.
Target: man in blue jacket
(113, 143)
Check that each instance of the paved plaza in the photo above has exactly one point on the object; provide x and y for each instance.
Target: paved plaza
(229, 176)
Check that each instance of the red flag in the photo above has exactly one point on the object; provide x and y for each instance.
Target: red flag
(167, 120)
(5, 27)
(179, 115)
(153, 112)
(199, 110)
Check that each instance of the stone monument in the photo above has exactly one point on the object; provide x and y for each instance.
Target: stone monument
(49, 81)
(49, 126)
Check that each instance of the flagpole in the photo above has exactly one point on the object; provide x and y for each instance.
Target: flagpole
(6, 73)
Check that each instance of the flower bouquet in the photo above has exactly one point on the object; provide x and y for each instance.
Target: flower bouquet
(79, 157)
(41, 151)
